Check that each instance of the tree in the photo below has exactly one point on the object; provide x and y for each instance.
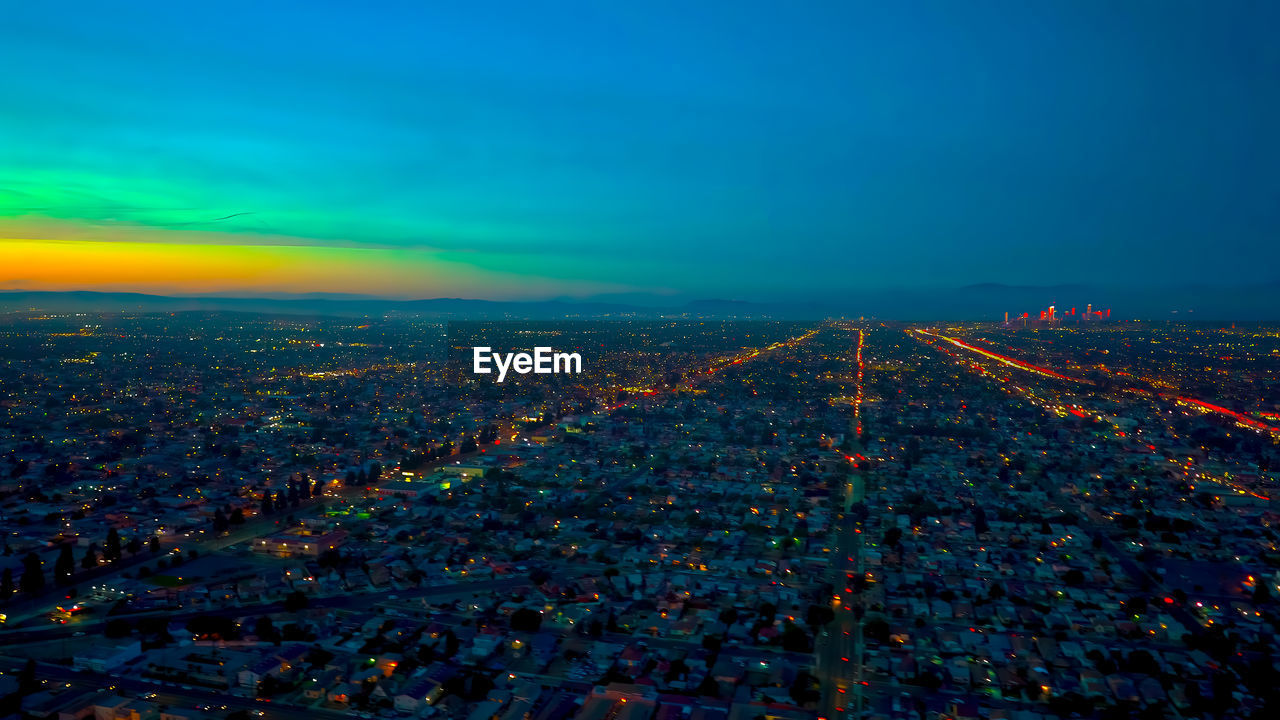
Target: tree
(1141, 661)
(892, 536)
(154, 545)
(930, 681)
(767, 611)
(267, 505)
(914, 453)
(32, 580)
(64, 566)
(295, 601)
(117, 628)
(526, 620)
(1136, 605)
(237, 517)
(805, 689)
(329, 558)
(795, 639)
(220, 522)
(1261, 595)
(135, 545)
(877, 630)
(90, 558)
(819, 615)
(265, 629)
(27, 683)
(709, 686)
(980, 524)
(112, 551)
(6, 585)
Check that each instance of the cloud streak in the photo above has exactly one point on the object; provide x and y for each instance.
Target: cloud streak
(732, 149)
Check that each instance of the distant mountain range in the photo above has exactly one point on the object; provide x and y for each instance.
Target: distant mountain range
(984, 301)
(357, 305)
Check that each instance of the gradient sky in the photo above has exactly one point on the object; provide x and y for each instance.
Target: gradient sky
(690, 149)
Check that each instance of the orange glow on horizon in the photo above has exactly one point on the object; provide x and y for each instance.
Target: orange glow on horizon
(51, 255)
(166, 268)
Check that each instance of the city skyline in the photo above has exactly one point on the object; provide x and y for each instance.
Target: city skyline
(741, 152)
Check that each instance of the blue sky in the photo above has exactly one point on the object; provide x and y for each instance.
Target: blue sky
(748, 150)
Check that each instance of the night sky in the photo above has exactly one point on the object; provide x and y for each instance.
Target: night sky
(689, 149)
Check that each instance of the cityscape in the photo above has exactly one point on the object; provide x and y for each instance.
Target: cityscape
(572, 360)
(221, 516)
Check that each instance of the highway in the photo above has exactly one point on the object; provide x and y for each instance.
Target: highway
(839, 654)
